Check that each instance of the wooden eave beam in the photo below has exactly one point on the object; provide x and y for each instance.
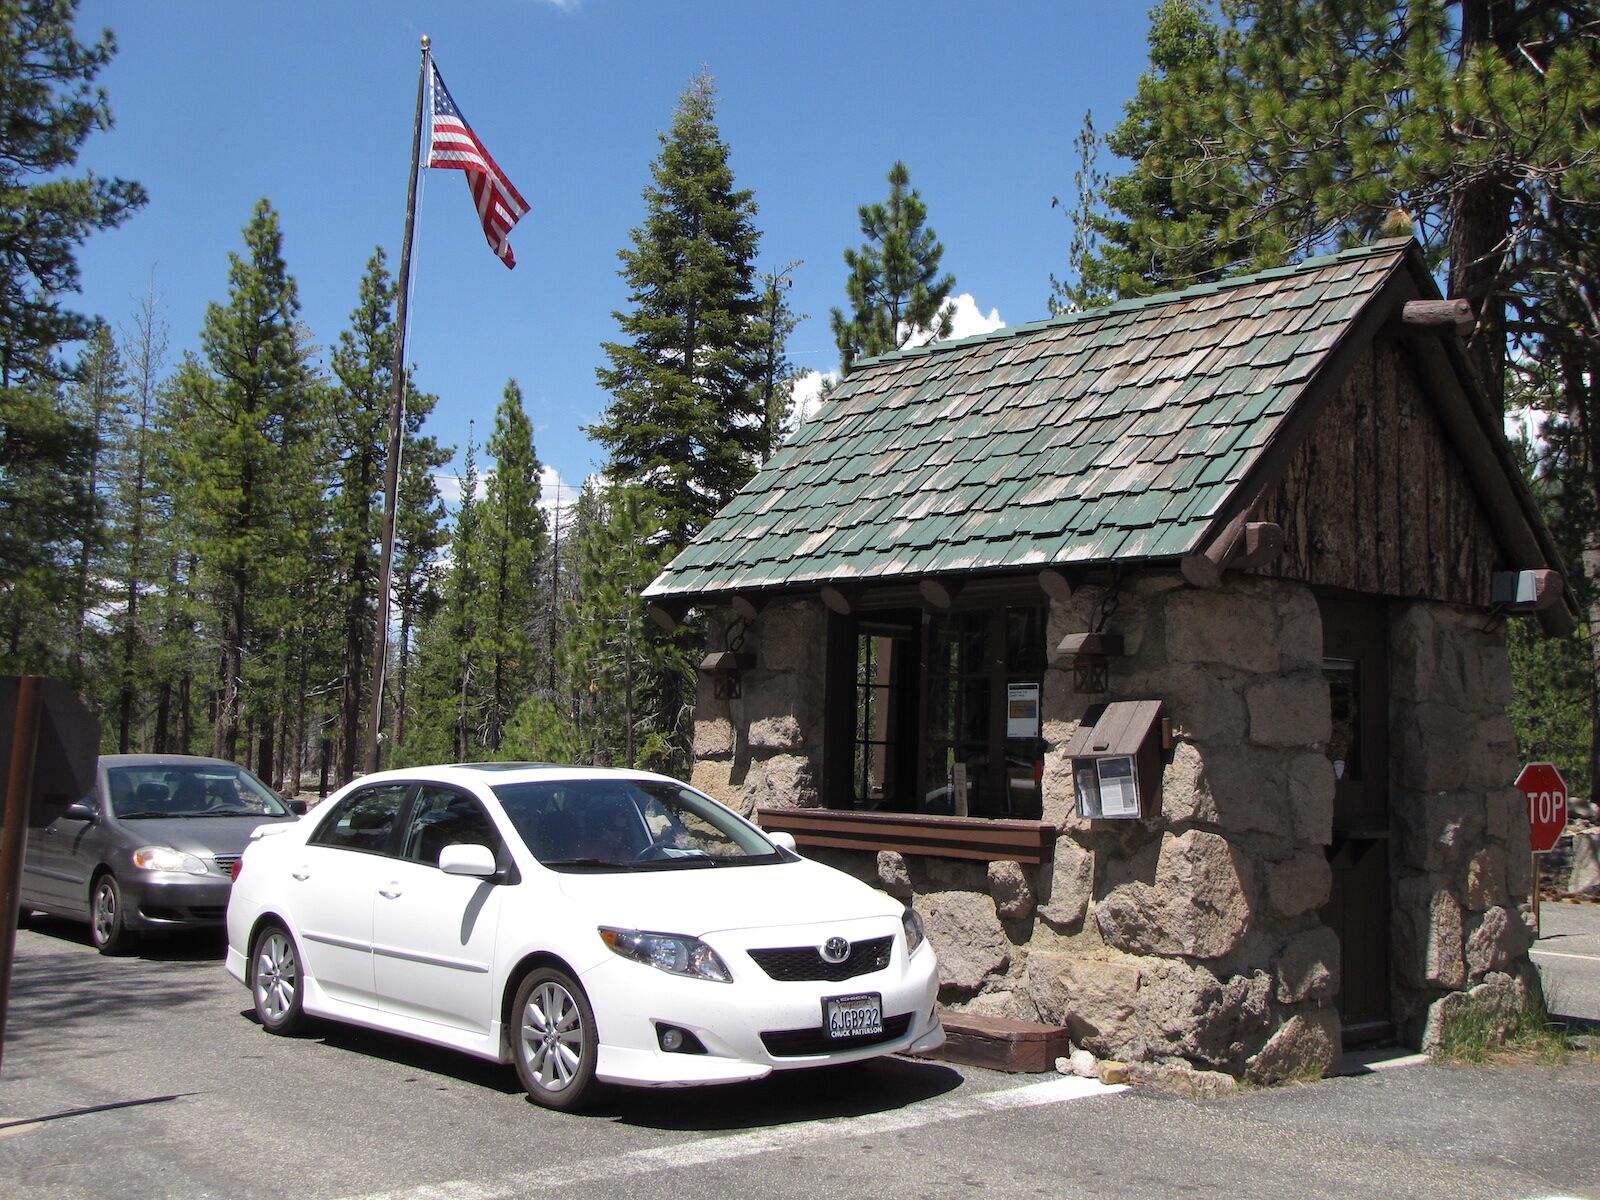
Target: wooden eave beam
(667, 614)
(1434, 318)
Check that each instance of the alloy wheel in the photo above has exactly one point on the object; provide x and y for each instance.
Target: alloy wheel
(277, 976)
(552, 1036)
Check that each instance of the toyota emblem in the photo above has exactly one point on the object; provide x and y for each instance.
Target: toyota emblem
(835, 950)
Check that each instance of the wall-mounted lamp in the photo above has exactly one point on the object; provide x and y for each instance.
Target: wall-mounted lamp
(1091, 654)
(1117, 761)
(725, 666)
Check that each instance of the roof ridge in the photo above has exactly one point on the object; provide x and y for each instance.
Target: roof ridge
(1388, 245)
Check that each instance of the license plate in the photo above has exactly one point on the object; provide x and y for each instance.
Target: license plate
(853, 1016)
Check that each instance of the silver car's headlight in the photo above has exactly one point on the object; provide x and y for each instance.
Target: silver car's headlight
(670, 952)
(165, 858)
(912, 924)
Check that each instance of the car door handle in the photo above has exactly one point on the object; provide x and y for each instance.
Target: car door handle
(302, 874)
(392, 892)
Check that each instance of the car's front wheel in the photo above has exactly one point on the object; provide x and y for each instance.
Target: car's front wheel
(553, 1039)
(107, 928)
(276, 981)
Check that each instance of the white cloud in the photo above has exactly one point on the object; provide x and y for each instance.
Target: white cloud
(967, 320)
(807, 395)
(551, 490)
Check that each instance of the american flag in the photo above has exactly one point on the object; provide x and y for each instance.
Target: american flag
(453, 144)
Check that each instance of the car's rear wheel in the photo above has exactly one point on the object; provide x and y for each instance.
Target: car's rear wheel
(107, 928)
(553, 1039)
(276, 981)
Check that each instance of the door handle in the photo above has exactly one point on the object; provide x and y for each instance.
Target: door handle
(302, 874)
(391, 892)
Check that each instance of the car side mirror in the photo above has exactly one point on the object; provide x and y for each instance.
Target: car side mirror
(466, 859)
(79, 810)
(298, 807)
(783, 841)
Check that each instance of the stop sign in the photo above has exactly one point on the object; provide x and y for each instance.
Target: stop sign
(1545, 791)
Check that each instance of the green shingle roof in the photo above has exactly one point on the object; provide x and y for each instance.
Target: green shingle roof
(1116, 433)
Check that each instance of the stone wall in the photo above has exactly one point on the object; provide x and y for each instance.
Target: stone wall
(764, 749)
(1462, 920)
(1193, 937)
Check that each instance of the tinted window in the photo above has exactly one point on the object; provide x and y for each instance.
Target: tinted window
(190, 790)
(445, 817)
(364, 819)
(621, 824)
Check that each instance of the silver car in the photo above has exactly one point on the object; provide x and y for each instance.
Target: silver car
(152, 848)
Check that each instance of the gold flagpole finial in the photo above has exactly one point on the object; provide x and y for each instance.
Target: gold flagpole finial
(426, 41)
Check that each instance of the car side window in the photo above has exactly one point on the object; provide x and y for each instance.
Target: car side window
(364, 819)
(444, 817)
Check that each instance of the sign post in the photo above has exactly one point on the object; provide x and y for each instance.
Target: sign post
(1545, 792)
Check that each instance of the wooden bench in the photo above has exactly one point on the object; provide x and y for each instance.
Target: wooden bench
(1001, 1044)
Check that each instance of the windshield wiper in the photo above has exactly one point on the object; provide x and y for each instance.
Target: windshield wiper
(133, 816)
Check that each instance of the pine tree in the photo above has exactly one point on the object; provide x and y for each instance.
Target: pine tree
(1317, 121)
(895, 289)
(363, 365)
(48, 108)
(96, 399)
(685, 422)
(419, 536)
(251, 423)
(511, 534)
(629, 680)
(775, 386)
(140, 509)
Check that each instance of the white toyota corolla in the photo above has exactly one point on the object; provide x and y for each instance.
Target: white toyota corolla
(585, 925)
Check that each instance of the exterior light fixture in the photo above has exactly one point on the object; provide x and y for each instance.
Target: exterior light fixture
(1090, 654)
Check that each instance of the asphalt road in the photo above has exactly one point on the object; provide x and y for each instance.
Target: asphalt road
(1568, 956)
(145, 1077)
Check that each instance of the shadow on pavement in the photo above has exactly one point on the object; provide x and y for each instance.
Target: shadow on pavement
(782, 1098)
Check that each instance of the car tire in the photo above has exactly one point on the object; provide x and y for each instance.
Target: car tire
(108, 928)
(277, 982)
(553, 1040)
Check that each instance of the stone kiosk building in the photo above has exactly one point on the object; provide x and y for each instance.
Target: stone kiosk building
(1156, 654)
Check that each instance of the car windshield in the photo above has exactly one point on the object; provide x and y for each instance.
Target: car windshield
(190, 790)
(628, 825)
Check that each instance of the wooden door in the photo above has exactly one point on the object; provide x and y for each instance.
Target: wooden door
(1356, 665)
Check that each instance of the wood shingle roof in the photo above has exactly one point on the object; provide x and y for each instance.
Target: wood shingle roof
(1116, 434)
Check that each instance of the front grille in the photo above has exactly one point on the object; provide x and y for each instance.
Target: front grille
(226, 861)
(797, 1043)
(792, 963)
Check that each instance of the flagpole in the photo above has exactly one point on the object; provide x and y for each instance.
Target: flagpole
(391, 468)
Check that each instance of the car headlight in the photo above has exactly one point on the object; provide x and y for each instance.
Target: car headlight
(912, 924)
(165, 858)
(670, 952)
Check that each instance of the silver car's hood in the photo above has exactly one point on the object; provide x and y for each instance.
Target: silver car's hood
(197, 835)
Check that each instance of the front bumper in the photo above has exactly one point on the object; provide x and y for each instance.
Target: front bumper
(162, 900)
(754, 1025)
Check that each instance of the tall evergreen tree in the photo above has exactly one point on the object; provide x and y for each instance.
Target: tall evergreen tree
(48, 108)
(1318, 123)
(363, 365)
(140, 509)
(244, 447)
(685, 421)
(419, 536)
(775, 386)
(895, 289)
(511, 534)
(96, 399)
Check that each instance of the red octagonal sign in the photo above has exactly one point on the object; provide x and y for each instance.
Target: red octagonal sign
(1545, 791)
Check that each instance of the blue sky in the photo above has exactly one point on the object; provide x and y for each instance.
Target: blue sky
(310, 105)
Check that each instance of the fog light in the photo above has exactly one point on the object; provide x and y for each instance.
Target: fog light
(673, 1040)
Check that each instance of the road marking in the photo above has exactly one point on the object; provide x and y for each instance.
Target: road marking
(1564, 954)
(805, 1134)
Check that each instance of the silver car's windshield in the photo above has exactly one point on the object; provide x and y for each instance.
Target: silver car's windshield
(628, 824)
(189, 790)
